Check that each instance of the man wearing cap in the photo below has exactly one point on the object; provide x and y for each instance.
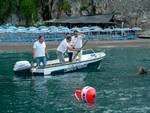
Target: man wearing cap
(63, 47)
(76, 42)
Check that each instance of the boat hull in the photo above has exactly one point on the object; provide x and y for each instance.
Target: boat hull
(25, 72)
(67, 68)
(87, 68)
(89, 62)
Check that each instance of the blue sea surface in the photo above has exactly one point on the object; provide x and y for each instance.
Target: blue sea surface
(119, 87)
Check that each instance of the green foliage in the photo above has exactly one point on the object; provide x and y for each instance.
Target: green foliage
(83, 7)
(7, 7)
(64, 5)
(26, 9)
(29, 11)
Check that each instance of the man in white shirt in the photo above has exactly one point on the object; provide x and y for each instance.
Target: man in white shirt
(63, 47)
(39, 51)
(76, 42)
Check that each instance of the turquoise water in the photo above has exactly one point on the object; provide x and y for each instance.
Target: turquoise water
(119, 88)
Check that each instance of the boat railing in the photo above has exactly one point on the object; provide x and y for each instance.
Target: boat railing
(91, 51)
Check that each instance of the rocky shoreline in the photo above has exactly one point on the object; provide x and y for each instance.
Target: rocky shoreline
(27, 47)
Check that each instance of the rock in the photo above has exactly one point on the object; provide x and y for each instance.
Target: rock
(84, 13)
(13, 18)
(49, 9)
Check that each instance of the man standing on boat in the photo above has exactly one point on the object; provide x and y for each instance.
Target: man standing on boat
(69, 52)
(76, 41)
(63, 47)
(40, 52)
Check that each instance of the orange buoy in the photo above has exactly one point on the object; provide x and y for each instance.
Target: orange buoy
(88, 94)
(77, 95)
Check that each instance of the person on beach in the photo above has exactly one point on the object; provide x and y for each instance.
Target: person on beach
(40, 52)
(76, 42)
(63, 47)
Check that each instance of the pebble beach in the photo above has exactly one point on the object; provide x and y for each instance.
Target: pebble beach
(52, 45)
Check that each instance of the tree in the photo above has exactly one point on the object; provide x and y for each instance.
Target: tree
(7, 8)
(46, 8)
(64, 6)
(28, 11)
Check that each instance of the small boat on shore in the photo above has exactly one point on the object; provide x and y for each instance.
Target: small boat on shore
(90, 60)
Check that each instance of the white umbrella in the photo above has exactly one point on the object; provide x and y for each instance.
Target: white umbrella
(136, 29)
(107, 30)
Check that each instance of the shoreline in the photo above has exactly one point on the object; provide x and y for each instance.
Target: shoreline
(27, 46)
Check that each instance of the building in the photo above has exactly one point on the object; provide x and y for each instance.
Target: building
(102, 21)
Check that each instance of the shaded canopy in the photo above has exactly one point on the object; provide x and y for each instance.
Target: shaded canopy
(85, 19)
(103, 21)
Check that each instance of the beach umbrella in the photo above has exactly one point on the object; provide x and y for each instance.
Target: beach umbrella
(107, 30)
(95, 29)
(136, 29)
(2, 30)
(21, 30)
(32, 30)
(117, 29)
(53, 29)
(43, 29)
(74, 29)
(126, 29)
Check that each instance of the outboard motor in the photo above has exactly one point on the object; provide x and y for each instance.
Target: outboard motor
(22, 68)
